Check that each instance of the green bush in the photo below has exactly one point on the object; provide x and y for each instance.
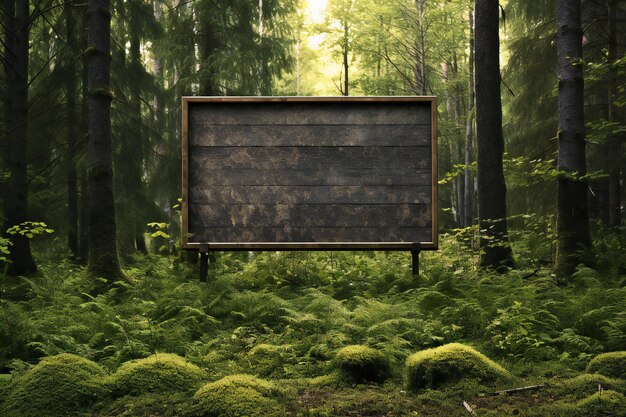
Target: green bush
(434, 367)
(161, 372)
(612, 364)
(362, 364)
(608, 403)
(59, 385)
(586, 384)
(237, 396)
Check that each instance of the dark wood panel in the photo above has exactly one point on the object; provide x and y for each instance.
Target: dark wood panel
(401, 176)
(337, 113)
(311, 234)
(268, 194)
(310, 215)
(326, 158)
(311, 135)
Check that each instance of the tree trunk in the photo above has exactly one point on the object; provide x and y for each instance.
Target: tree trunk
(83, 229)
(103, 257)
(138, 200)
(346, 64)
(572, 206)
(469, 130)
(8, 23)
(72, 135)
(494, 242)
(16, 203)
(615, 145)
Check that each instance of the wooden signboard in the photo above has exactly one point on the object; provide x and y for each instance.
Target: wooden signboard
(282, 173)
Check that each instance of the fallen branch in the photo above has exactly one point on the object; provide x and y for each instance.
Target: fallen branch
(469, 408)
(513, 390)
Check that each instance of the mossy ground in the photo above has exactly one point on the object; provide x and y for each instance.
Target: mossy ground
(158, 373)
(59, 385)
(360, 364)
(432, 368)
(263, 333)
(611, 364)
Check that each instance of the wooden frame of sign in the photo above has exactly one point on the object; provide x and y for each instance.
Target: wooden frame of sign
(309, 173)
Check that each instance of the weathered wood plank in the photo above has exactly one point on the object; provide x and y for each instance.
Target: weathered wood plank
(310, 234)
(337, 113)
(331, 158)
(278, 194)
(401, 176)
(311, 135)
(311, 215)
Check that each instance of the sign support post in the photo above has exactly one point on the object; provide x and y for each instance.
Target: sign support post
(415, 259)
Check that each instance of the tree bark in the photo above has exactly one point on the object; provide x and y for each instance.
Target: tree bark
(469, 130)
(16, 203)
(573, 238)
(494, 242)
(615, 143)
(72, 134)
(346, 64)
(135, 182)
(103, 257)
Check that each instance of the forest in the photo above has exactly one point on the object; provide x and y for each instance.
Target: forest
(521, 310)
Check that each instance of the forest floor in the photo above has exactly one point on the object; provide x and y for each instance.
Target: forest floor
(283, 317)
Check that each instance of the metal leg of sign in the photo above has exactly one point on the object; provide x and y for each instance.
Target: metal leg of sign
(204, 263)
(415, 259)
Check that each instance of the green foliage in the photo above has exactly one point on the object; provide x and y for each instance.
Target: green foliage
(161, 372)
(59, 385)
(236, 396)
(432, 368)
(5, 245)
(603, 403)
(361, 364)
(29, 229)
(612, 365)
(519, 331)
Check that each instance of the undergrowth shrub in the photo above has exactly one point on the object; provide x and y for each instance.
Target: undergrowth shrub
(612, 364)
(521, 332)
(237, 396)
(360, 364)
(432, 368)
(59, 385)
(161, 372)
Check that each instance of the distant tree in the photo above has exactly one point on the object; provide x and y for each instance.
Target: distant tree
(572, 207)
(469, 130)
(103, 257)
(340, 18)
(496, 251)
(17, 15)
(73, 129)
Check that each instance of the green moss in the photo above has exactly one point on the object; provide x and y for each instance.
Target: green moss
(452, 362)
(161, 372)
(604, 403)
(586, 384)
(59, 385)
(237, 396)
(362, 364)
(268, 360)
(612, 364)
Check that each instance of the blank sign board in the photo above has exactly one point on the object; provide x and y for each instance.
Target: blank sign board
(309, 173)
